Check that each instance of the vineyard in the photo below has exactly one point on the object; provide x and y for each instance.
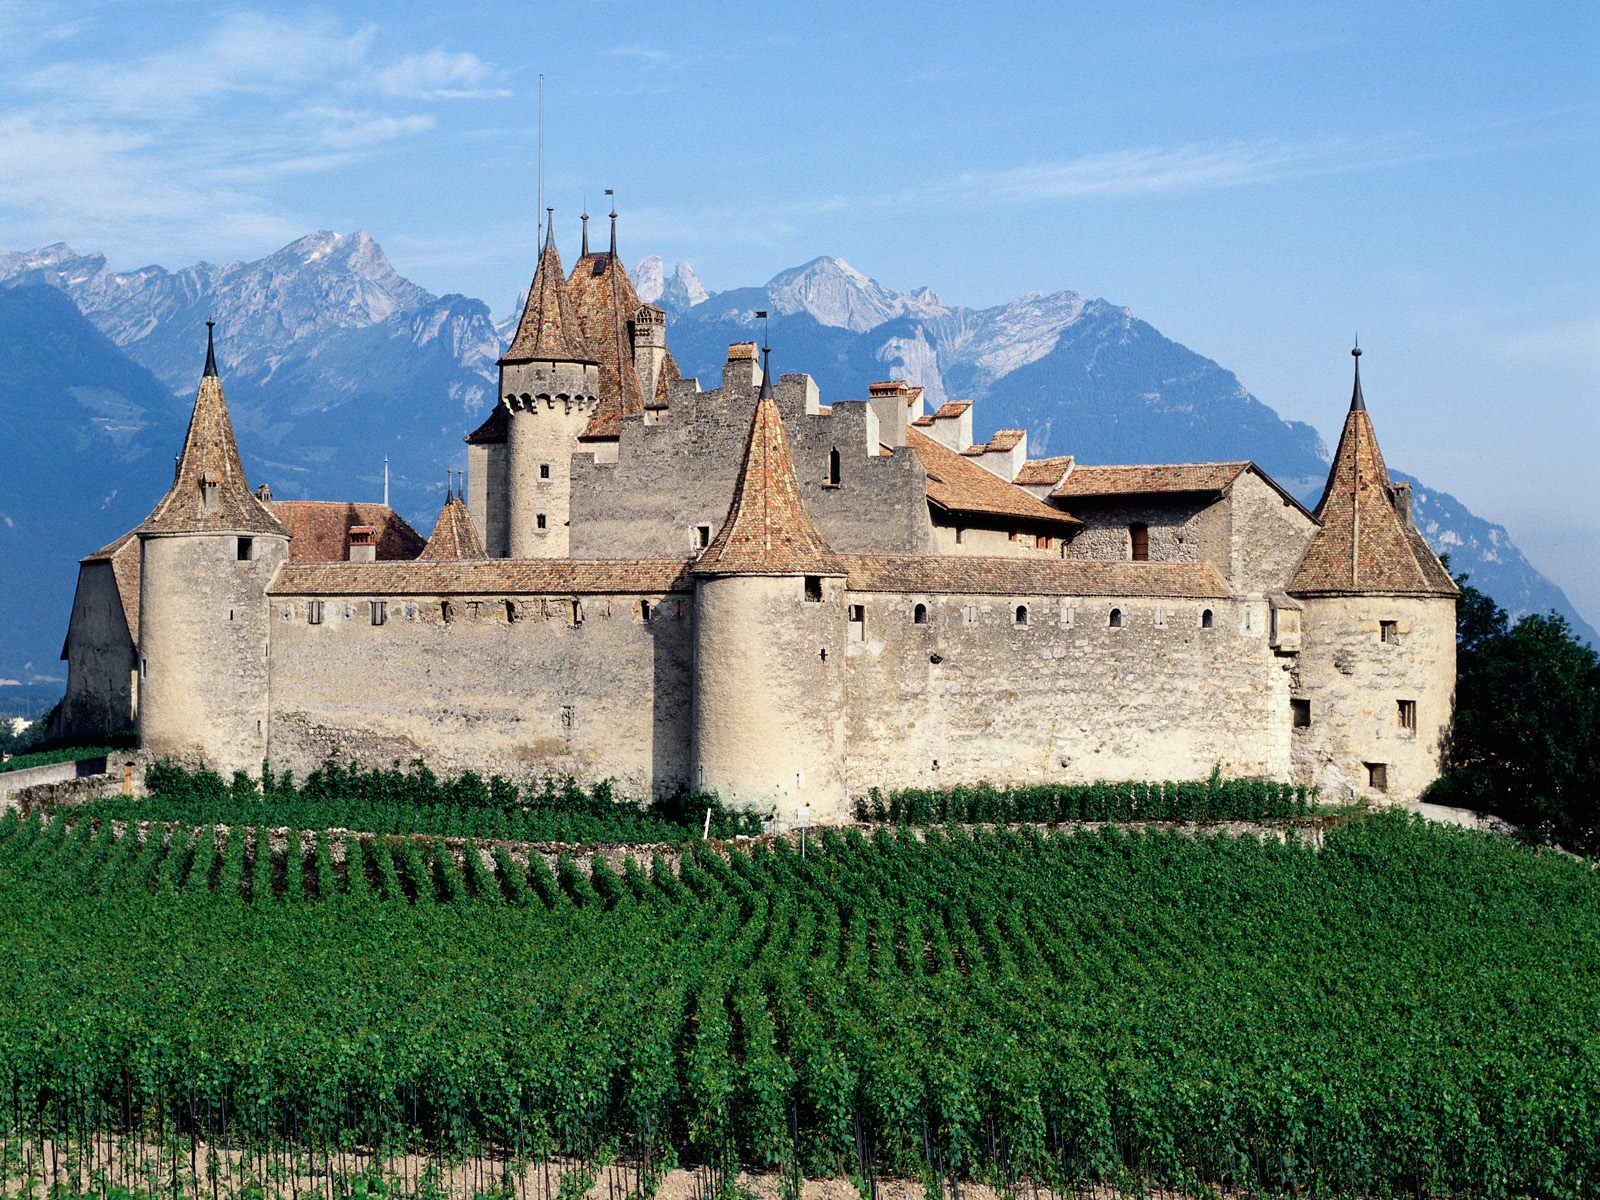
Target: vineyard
(1406, 1010)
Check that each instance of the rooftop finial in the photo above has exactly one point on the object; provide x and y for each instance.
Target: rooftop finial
(766, 355)
(1357, 402)
(613, 196)
(584, 253)
(549, 229)
(211, 351)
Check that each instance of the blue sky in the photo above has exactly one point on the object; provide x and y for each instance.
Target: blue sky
(1257, 181)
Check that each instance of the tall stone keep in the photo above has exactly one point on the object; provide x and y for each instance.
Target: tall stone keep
(549, 385)
(208, 550)
(1375, 681)
(769, 661)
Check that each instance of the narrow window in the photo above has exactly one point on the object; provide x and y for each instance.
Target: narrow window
(833, 467)
(1013, 536)
(1408, 715)
(1207, 618)
(1389, 631)
(244, 549)
(1301, 711)
(380, 611)
(919, 615)
(813, 589)
(144, 668)
(645, 610)
(702, 536)
(1139, 542)
(544, 470)
(511, 612)
(1044, 541)
(858, 622)
(1115, 621)
(969, 615)
(1020, 616)
(447, 611)
(314, 612)
(961, 535)
(1378, 776)
(540, 521)
(577, 612)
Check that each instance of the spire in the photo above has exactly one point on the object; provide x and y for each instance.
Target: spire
(766, 374)
(209, 492)
(607, 305)
(767, 530)
(549, 329)
(584, 253)
(613, 196)
(454, 534)
(1364, 543)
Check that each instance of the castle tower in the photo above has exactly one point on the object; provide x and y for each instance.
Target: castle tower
(549, 387)
(208, 551)
(769, 645)
(1374, 686)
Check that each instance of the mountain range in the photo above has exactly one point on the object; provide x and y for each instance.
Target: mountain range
(334, 363)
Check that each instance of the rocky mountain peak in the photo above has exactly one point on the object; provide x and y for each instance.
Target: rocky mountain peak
(834, 293)
(675, 293)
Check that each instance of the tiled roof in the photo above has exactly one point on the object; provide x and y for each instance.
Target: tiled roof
(1364, 545)
(454, 535)
(319, 530)
(1043, 472)
(123, 555)
(550, 330)
(959, 486)
(922, 422)
(1146, 480)
(209, 464)
(493, 430)
(974, 574)
(768, 530)
(484, 577)
(605, 302)
(951, 409)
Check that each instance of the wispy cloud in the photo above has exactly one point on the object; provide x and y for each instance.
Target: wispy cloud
(643, 54)
(440, 75)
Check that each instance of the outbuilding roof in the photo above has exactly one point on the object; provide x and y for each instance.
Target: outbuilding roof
(959, 486)
(319, 530)
(994, 576)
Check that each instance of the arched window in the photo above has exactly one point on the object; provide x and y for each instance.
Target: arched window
(1115, 620)
(1207, 618)
(1020, 617)
(919, 615)
(1139, 542)
(833, 467)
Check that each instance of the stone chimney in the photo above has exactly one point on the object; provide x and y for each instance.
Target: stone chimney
(741, 369)
(363, 544)
(649, 348)
(891, 400)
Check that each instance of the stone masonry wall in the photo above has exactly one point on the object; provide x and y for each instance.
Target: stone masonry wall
(606, 697)
(1268, 537)
(1354, 681)
(973, 696)
(677, 474)
(1181, 528)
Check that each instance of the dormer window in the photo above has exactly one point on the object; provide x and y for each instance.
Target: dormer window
(208, 492)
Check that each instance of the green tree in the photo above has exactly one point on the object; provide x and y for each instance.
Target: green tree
(1526, 743)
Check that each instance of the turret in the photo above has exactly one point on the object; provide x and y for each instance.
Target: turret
(769, 645)
(1374, 685)
(549, 386)
(208, 550)
(454, 535)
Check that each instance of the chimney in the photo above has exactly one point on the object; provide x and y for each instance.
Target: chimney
(649, 347)
(891, 400)
(363, 544)
(742, 369)
(264, 494)
(1400, 495)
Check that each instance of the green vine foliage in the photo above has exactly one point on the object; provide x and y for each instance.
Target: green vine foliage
(1399, 1009)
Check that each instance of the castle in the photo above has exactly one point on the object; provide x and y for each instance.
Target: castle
(745, 590)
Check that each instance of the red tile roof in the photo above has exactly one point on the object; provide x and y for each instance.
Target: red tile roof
(549, 330)
(494, 428)
(484, 577)
(605, 302)
(1364, 546)
(1043, 472)
(209, 465)
(957, 485)
(1147, 480)
(319, 530)
(768, 530)
(454, 535)
(951, 409)
(974, 574)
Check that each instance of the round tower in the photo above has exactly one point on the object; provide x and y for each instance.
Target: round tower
(1374, 685)
(769, 661)
(207, 553)
(549, 384)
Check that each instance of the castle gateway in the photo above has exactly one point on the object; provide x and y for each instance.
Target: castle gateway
(744, 589)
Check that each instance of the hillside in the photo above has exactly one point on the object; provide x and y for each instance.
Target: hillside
(333, 361)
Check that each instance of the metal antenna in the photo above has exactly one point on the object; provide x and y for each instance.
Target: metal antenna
(386, 481)
(612, 193)
(537, 230)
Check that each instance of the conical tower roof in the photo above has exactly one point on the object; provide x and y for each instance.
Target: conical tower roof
(549, 330)
(209, 493)
(454, 535)
(1364, 545)
(768, 530)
